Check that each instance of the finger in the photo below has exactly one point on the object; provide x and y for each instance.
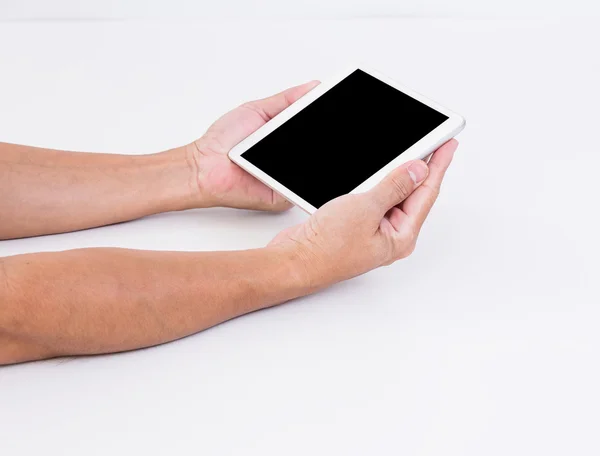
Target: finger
(398, 185)
(397, 218)
(286, 234)
(273, 105)
(418, 205)
(277, 204)
(236, 125)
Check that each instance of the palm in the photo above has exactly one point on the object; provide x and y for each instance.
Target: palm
(228, 182)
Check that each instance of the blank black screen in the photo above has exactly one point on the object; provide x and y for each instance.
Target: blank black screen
(342, 138)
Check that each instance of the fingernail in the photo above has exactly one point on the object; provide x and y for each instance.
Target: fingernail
(418, 171)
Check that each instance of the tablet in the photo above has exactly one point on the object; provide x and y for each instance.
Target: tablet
(344, 136)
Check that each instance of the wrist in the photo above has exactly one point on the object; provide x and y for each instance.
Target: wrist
(205, 170)
(188, 164)
(299, 266)
(170, 179)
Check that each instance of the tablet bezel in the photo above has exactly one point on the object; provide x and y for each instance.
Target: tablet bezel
(430, 142)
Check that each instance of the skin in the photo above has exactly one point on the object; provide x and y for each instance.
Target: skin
(91, 301)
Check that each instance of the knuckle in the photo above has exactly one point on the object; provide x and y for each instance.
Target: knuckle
(255, 108)
(404, 251)
(406, 242)
(434, 192)
(408, 250)
(437, 169)
(401, 186)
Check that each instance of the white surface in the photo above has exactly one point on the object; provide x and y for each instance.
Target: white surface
(118, 9)
(485, 342)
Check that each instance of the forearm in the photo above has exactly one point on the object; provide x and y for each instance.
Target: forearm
(107, 300)
(47, 191)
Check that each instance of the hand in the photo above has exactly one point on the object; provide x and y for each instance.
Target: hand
(220, 181)
(355, 233)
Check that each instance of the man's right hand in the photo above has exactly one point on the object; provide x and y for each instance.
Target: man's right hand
(355, 233)
(100, 300)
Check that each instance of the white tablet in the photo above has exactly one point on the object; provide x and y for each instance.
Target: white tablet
(344, 136)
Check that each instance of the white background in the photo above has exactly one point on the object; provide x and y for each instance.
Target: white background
(118, 9)
(484, 342)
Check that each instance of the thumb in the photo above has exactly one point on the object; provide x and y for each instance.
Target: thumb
(398, 185)
(274, 104)
(236, 125)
